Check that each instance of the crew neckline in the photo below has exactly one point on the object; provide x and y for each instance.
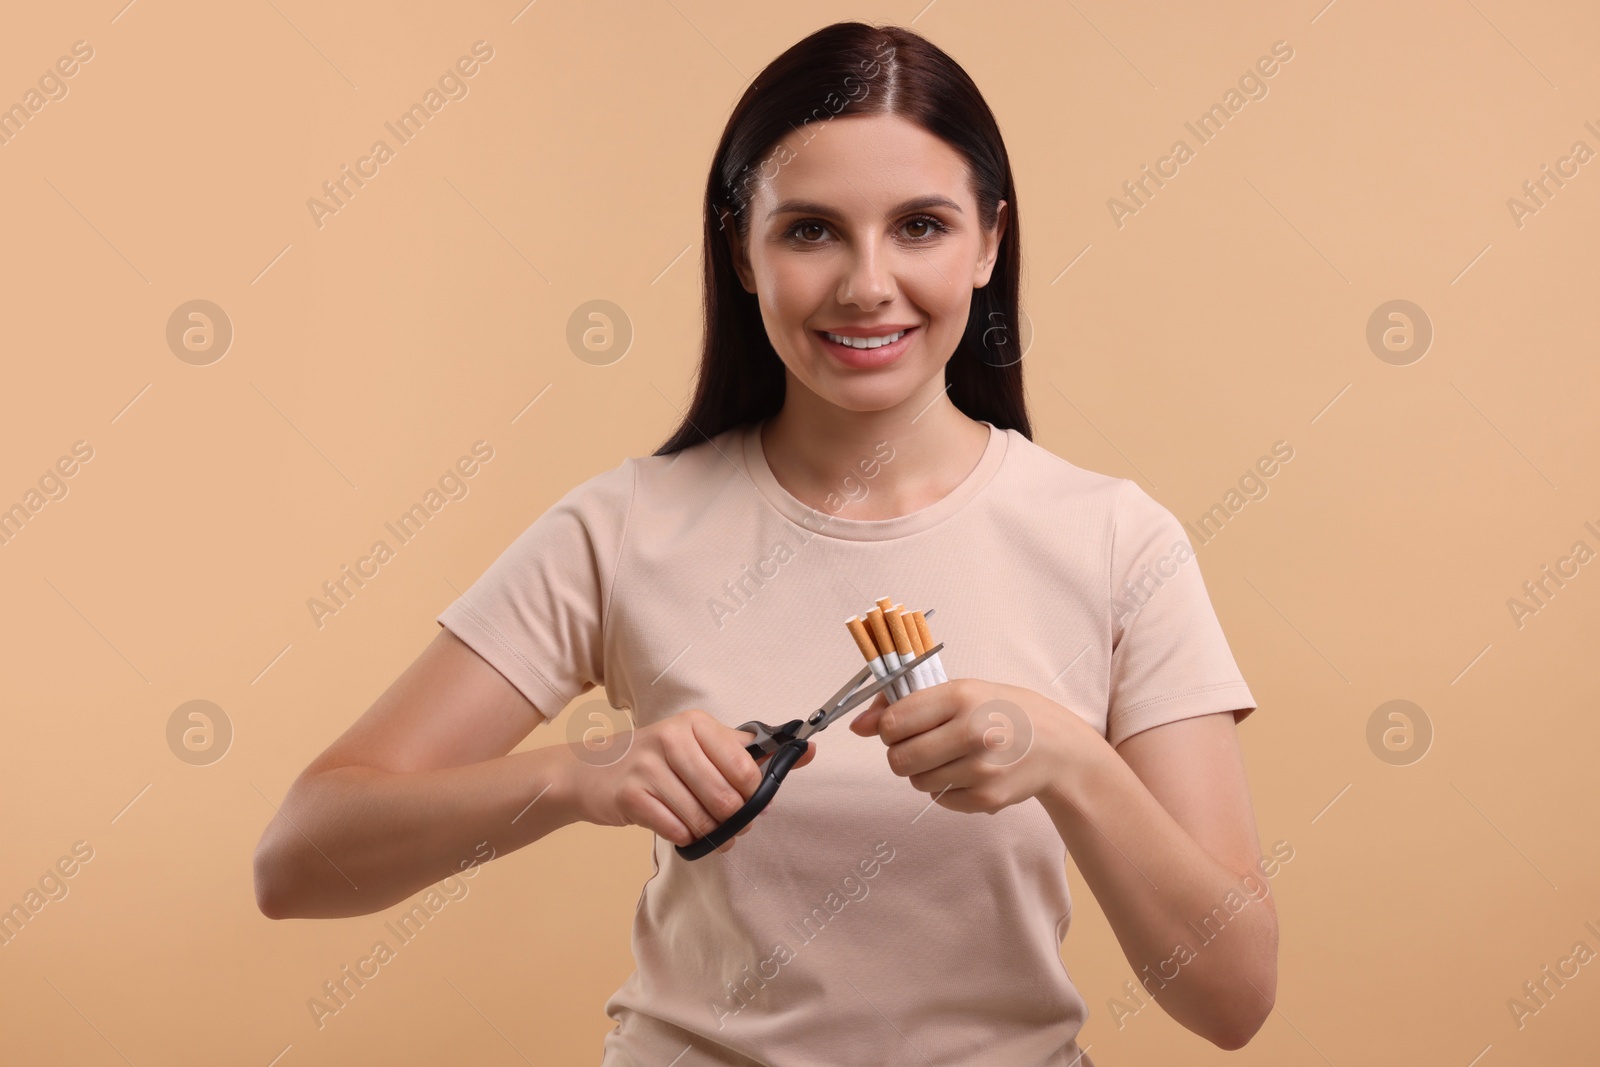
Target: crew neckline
(825, 524)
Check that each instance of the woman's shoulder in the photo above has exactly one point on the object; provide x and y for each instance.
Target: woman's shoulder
(1129, 511)
(1044, 476)
(695, 472)
(684, 480)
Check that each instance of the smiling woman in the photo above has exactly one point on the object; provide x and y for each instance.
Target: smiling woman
(862, 258)
(852, 294)
(899, 214)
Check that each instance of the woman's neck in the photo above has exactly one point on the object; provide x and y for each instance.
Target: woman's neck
(883, 463)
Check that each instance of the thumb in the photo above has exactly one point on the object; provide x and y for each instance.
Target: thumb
(866, 723)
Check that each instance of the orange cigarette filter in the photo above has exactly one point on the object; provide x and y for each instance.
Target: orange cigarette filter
(913, 634)
(897, 629)
(922, 631)
(880, 631)
(858, 630)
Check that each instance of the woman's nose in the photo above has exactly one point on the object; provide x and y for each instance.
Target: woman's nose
(869, 280)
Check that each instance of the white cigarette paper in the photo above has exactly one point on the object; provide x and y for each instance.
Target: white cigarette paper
(894, 645)
(923, 672)
(888, 636)
(884, 645)
(894, 618)
(876, 660)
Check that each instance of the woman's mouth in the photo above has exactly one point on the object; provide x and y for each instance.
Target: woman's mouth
(867, 352)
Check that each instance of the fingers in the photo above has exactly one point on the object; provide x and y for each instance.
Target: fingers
(918, 713)
(866, 723)
(659, 817)
(690, 812)
(708, 777)
(930, 749)
(725, 749)
(672, 789)
(713, 796)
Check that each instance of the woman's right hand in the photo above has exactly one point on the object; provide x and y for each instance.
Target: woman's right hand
(680, 777)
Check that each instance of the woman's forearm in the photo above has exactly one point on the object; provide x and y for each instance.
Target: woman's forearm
(1211, 967)
(354, 840)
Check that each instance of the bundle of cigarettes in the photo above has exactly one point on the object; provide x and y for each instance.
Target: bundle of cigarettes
(888, 636)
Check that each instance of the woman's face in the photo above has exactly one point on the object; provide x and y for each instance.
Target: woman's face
(867, 229)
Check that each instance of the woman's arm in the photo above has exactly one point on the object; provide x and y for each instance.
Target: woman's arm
(415, 789)
(1161, 827)
(1163, 831)
(411, 790)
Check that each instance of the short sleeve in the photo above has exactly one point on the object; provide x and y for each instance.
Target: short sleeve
(1169, 658)
(538, 613)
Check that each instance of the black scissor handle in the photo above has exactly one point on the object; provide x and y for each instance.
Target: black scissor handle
(787, 755)
(768, 738)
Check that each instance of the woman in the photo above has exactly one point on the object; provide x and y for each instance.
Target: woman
(858, 429)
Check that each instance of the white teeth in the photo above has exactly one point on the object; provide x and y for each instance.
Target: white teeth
(865, 342)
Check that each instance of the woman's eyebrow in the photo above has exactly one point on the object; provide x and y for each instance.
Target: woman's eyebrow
(811, 207)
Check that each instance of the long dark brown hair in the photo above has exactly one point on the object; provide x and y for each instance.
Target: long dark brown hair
(851, 68)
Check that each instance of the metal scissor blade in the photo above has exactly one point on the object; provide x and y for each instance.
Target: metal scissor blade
(821, 719)
(861, 675)
(844, 692)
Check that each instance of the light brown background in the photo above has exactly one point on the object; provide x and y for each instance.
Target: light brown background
(370, 353)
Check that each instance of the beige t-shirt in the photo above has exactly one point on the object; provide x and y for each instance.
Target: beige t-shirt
(856, 921)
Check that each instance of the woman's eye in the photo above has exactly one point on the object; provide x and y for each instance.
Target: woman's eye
(934, 227)
(926, 228)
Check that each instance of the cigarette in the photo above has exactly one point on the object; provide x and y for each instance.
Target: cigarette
(902, 642)
(870, 653)
(879, 627)
(936, 667)
(922, 677)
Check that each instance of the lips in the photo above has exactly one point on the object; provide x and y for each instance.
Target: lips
(867, 358)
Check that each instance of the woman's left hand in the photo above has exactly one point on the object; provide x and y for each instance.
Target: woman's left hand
(979, 746)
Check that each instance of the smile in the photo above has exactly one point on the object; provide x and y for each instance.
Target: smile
(867, 353)
(865, 342)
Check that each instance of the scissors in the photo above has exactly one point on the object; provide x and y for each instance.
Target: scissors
(787, 743)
